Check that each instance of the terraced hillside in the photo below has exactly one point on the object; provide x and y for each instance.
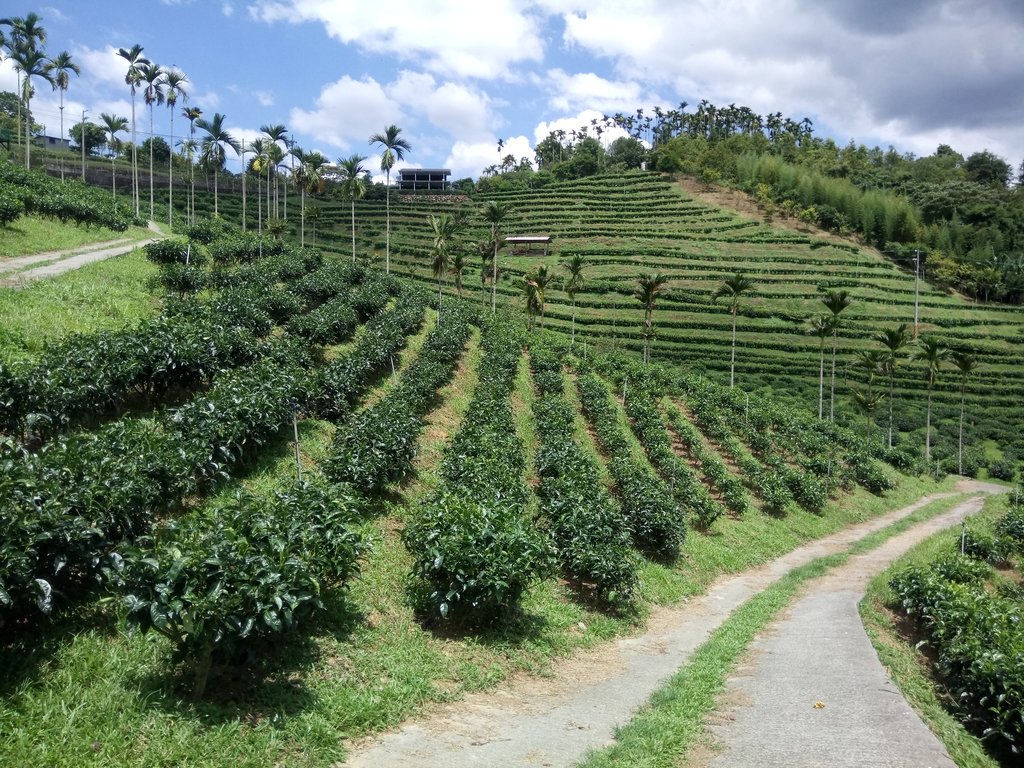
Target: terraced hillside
(625, 226)
(153, 485)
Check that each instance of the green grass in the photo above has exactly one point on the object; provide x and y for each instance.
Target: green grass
(102, 296)
(672, 722)
(906, 665)
(35, 234)
(366, 665)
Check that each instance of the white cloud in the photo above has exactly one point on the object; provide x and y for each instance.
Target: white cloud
(456, 108)
(904, 73)
(103, 65)
(227, 9)
(470, 158)
(265, 98)
(467, 39)
(347, 112)
(586, 90)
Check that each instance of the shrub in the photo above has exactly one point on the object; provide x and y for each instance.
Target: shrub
(252, 568)
(478, 558)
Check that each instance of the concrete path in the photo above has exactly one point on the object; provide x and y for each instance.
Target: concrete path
(812, 691)
(58, 262)
(555, 720)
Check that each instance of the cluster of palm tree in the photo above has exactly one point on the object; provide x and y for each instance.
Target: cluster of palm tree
(708, 121)
(22, 44)
(450, 250)
(884, 362)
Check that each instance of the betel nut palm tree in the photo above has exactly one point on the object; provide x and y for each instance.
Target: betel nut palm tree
(213, 151)
(650, 287)
(966, 364)
(132, 79)
(495, 213)
(732, 288)
(820, 326)
(536, 294)
(835, 302)
(113, 125)
(175, 82)
(192, 114)
(893, 340)
(443, 234)
(353, 186)
(573, 284)
(930, 352)
(61, 67)
(394, 148)
(152, 75)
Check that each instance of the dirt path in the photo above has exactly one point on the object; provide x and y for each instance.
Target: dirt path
(813, 681)
(58, 262)
(554, 720)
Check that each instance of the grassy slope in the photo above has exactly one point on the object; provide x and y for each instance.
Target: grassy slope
(35, 234)
(83, 692)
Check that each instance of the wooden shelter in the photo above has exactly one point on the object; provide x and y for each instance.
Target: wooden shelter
(525, 243)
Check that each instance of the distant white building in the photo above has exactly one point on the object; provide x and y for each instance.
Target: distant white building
(414, 179)
(51, 142)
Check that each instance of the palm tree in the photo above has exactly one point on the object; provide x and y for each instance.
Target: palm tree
(651, 286)
(967, 364)
(532, 301)
(394, 149)
(113, 125)
(873, 363)
(893, 340)
(192, 114)
(733, 288)
(277, 134)
(189, 148)
(312, 213)
(353, 186)
(495, 213)
(540, 280)
(175, 82)
(132, 79)
(30, 62)
(457, 268)
(309, 176)
(61, 66)
(573, 284)
(152, 75)
(866, 401)
(835, 302)
(821, 326)
(259, 163)
(26, 32)
(442, 228)
(214, 154)
(932, 354)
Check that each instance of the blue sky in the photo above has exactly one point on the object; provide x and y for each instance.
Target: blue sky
(457, 76)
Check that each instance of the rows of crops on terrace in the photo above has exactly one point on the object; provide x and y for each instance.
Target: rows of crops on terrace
(109, 459)
(643, 222)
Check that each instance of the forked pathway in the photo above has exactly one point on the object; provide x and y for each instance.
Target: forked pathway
(58, 262)
(555, 720)
(812, 691)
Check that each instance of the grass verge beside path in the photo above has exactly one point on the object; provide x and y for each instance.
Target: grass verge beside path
(907, 666)
(663, 732)
(105, 295)
(34, 234)
(88, 694)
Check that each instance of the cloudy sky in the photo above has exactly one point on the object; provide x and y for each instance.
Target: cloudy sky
(457, 75)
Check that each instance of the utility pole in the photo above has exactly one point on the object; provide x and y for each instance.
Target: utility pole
(83, 145)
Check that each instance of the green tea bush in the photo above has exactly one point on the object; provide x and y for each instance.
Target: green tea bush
(250, 569)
